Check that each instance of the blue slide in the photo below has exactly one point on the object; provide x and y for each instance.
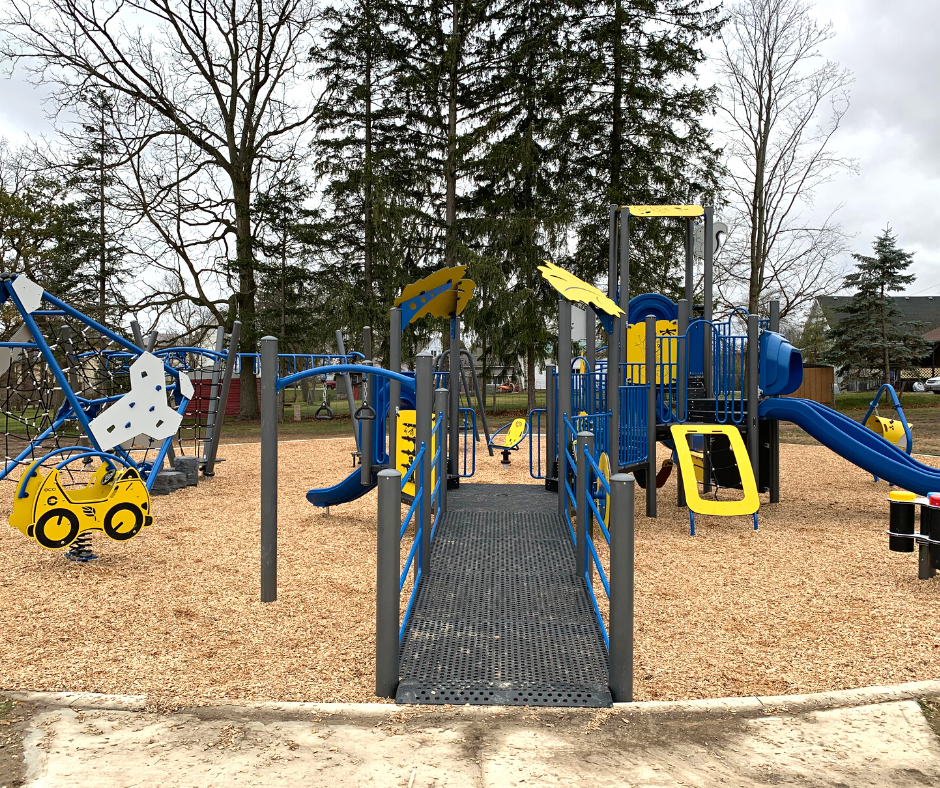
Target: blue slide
(855, 442)
(352, 487)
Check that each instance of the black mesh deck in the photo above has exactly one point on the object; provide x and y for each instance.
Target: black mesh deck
(502, 617)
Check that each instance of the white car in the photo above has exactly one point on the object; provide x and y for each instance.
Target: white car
(933, 384)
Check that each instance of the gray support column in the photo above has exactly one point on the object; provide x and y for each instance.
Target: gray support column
(152, 341)
(612, 272)
(774, 453)
(231, 360)
(591, 332)
(753, 444)
(682, 382)
(214, 400)
(423, 390)
(690, 260)
(613, 395)
(453, 420)
(621, 587)
(138, 334)
(580, 548)
(440, 409)
(394, 386)
(624, 302)
(350, 399)
(368, 427)
(651, 416)
(551, 431)
(709, 297)
(564, 393)
(268, 469)
(387, 597)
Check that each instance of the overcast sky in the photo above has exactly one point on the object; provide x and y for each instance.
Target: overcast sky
(892, 127)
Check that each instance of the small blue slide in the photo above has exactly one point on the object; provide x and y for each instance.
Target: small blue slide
(352, 487)
(855, 442)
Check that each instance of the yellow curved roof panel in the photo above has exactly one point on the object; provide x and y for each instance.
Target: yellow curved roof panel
(430, 282)
(666, 210)
(575, 289)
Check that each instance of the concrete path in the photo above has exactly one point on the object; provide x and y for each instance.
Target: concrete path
(872, 737)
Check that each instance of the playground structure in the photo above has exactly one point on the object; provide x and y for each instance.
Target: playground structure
(710, 390)
(88, 425)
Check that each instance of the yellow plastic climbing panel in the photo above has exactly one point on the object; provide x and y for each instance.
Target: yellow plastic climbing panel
(748, 504)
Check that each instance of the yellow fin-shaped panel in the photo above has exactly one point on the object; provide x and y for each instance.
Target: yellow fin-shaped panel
(749, 504)
(575, 289)
(431, 282)
(666, 210)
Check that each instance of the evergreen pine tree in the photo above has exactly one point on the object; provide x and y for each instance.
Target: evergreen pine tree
(872, 334)
(636, 128)
(813, 341)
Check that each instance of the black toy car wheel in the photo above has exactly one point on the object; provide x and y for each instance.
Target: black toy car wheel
(123, 521)
(53, 520)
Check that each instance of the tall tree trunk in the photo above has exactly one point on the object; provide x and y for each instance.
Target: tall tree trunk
(244, 259)
(369, 239)
(103, 252)
(616, 129)
(450, 165)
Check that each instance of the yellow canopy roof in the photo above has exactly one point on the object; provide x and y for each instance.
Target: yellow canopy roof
(665, 210)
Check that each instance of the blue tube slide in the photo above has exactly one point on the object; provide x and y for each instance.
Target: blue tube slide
(352, 487)
(855, 442)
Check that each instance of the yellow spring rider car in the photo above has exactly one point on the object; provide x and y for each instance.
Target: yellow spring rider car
(114, 501)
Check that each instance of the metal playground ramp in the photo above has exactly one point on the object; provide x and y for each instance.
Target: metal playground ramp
(502, 617)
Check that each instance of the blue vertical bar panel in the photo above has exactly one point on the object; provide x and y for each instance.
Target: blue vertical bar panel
(268, 469)
(423, 406)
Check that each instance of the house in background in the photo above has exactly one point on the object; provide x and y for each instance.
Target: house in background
(915, 309)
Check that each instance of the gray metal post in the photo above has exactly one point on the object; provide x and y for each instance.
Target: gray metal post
(440, 408)
(622, 487)
(387, 597)
(624, 302)
(564, 393)
(580, 494)
(551, 431)
(774, 469)
(213, 409)
(753, 444)
(368, 427)
(682, 382)
(230, 361)
(453, 384)
(350, 399)
(138, 334)
(612, 254)
(394, 386)
(651, 416)
(480, 400)
(590, 331)
(690, 260)
(152, 341)
(268, 469)
(423, 390)
(613, 395)
(708, 276)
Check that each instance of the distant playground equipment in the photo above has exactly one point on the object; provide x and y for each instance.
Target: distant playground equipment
(515, 431)
(114, 501)
(901, 534)
(91, 419)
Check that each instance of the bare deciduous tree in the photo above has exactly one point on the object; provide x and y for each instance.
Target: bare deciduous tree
(781, 106)
(212, 74)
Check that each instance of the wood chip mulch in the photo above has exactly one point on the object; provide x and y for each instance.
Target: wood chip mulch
(812, 601)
